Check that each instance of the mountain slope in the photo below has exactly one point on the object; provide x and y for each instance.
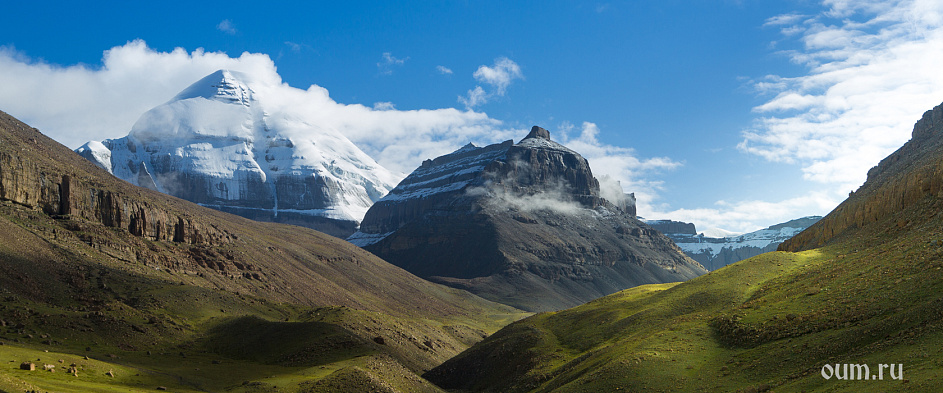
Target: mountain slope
(523, 224)
(902, 179)
(96, 266)
(717, 252)
(780, 321)
(225, 143)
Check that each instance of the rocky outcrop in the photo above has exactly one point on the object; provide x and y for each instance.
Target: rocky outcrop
(58, 191)
(523, 224)
(907, 176)
(669, 227)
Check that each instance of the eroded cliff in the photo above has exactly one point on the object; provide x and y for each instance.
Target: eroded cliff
(29, 178)
(907, 176)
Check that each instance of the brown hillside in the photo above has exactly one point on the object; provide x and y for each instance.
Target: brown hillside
(899, 181)
(90, 261)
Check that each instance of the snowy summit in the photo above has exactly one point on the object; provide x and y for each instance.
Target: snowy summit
(224, 143)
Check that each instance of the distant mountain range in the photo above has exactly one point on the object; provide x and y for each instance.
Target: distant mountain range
(224, 143)
(522, 224)
(717, 252)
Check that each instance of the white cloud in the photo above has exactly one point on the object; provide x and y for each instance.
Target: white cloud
(785, 19)
(75, 104)
(78, 103)
(873, 69)
(444, 70)
(226, 26)
(498, 77)
(748, 216)
(389, 61)
(618, 163)
(474, 97)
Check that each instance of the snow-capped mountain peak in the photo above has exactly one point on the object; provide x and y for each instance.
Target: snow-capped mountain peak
(223, 142)
(223, 85)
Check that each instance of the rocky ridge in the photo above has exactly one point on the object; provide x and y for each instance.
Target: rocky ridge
(902, 179)
(523, 224)
(58, 191)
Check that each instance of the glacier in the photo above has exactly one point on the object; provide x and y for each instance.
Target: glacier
(715, 252)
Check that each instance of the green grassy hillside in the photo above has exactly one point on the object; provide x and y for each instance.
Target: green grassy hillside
(159, 292)
(769, 323)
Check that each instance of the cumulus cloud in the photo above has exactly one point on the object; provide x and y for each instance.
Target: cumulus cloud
(500, 75)
(746, 216)
(226, 26)
(389, 62)
(497, 77)
(873, 69)
(75, 104)
(443, 70)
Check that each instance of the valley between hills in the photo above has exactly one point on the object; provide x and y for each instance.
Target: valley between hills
(468, 279)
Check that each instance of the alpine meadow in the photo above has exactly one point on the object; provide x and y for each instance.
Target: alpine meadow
(715, 196)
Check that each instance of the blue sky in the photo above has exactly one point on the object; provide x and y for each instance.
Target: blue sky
(729, 114)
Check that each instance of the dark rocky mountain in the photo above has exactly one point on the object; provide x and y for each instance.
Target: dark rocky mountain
(717, 252)
(523, 224)
(225, 143)
(91, 261)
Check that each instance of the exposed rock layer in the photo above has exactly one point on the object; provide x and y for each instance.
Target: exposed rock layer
(522, 224)
(907, 176)
(57, 191)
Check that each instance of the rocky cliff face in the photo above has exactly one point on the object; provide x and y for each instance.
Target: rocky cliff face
(27, 178)
(669, 227)
(522, 224)
(220, 144)
(907, 176)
